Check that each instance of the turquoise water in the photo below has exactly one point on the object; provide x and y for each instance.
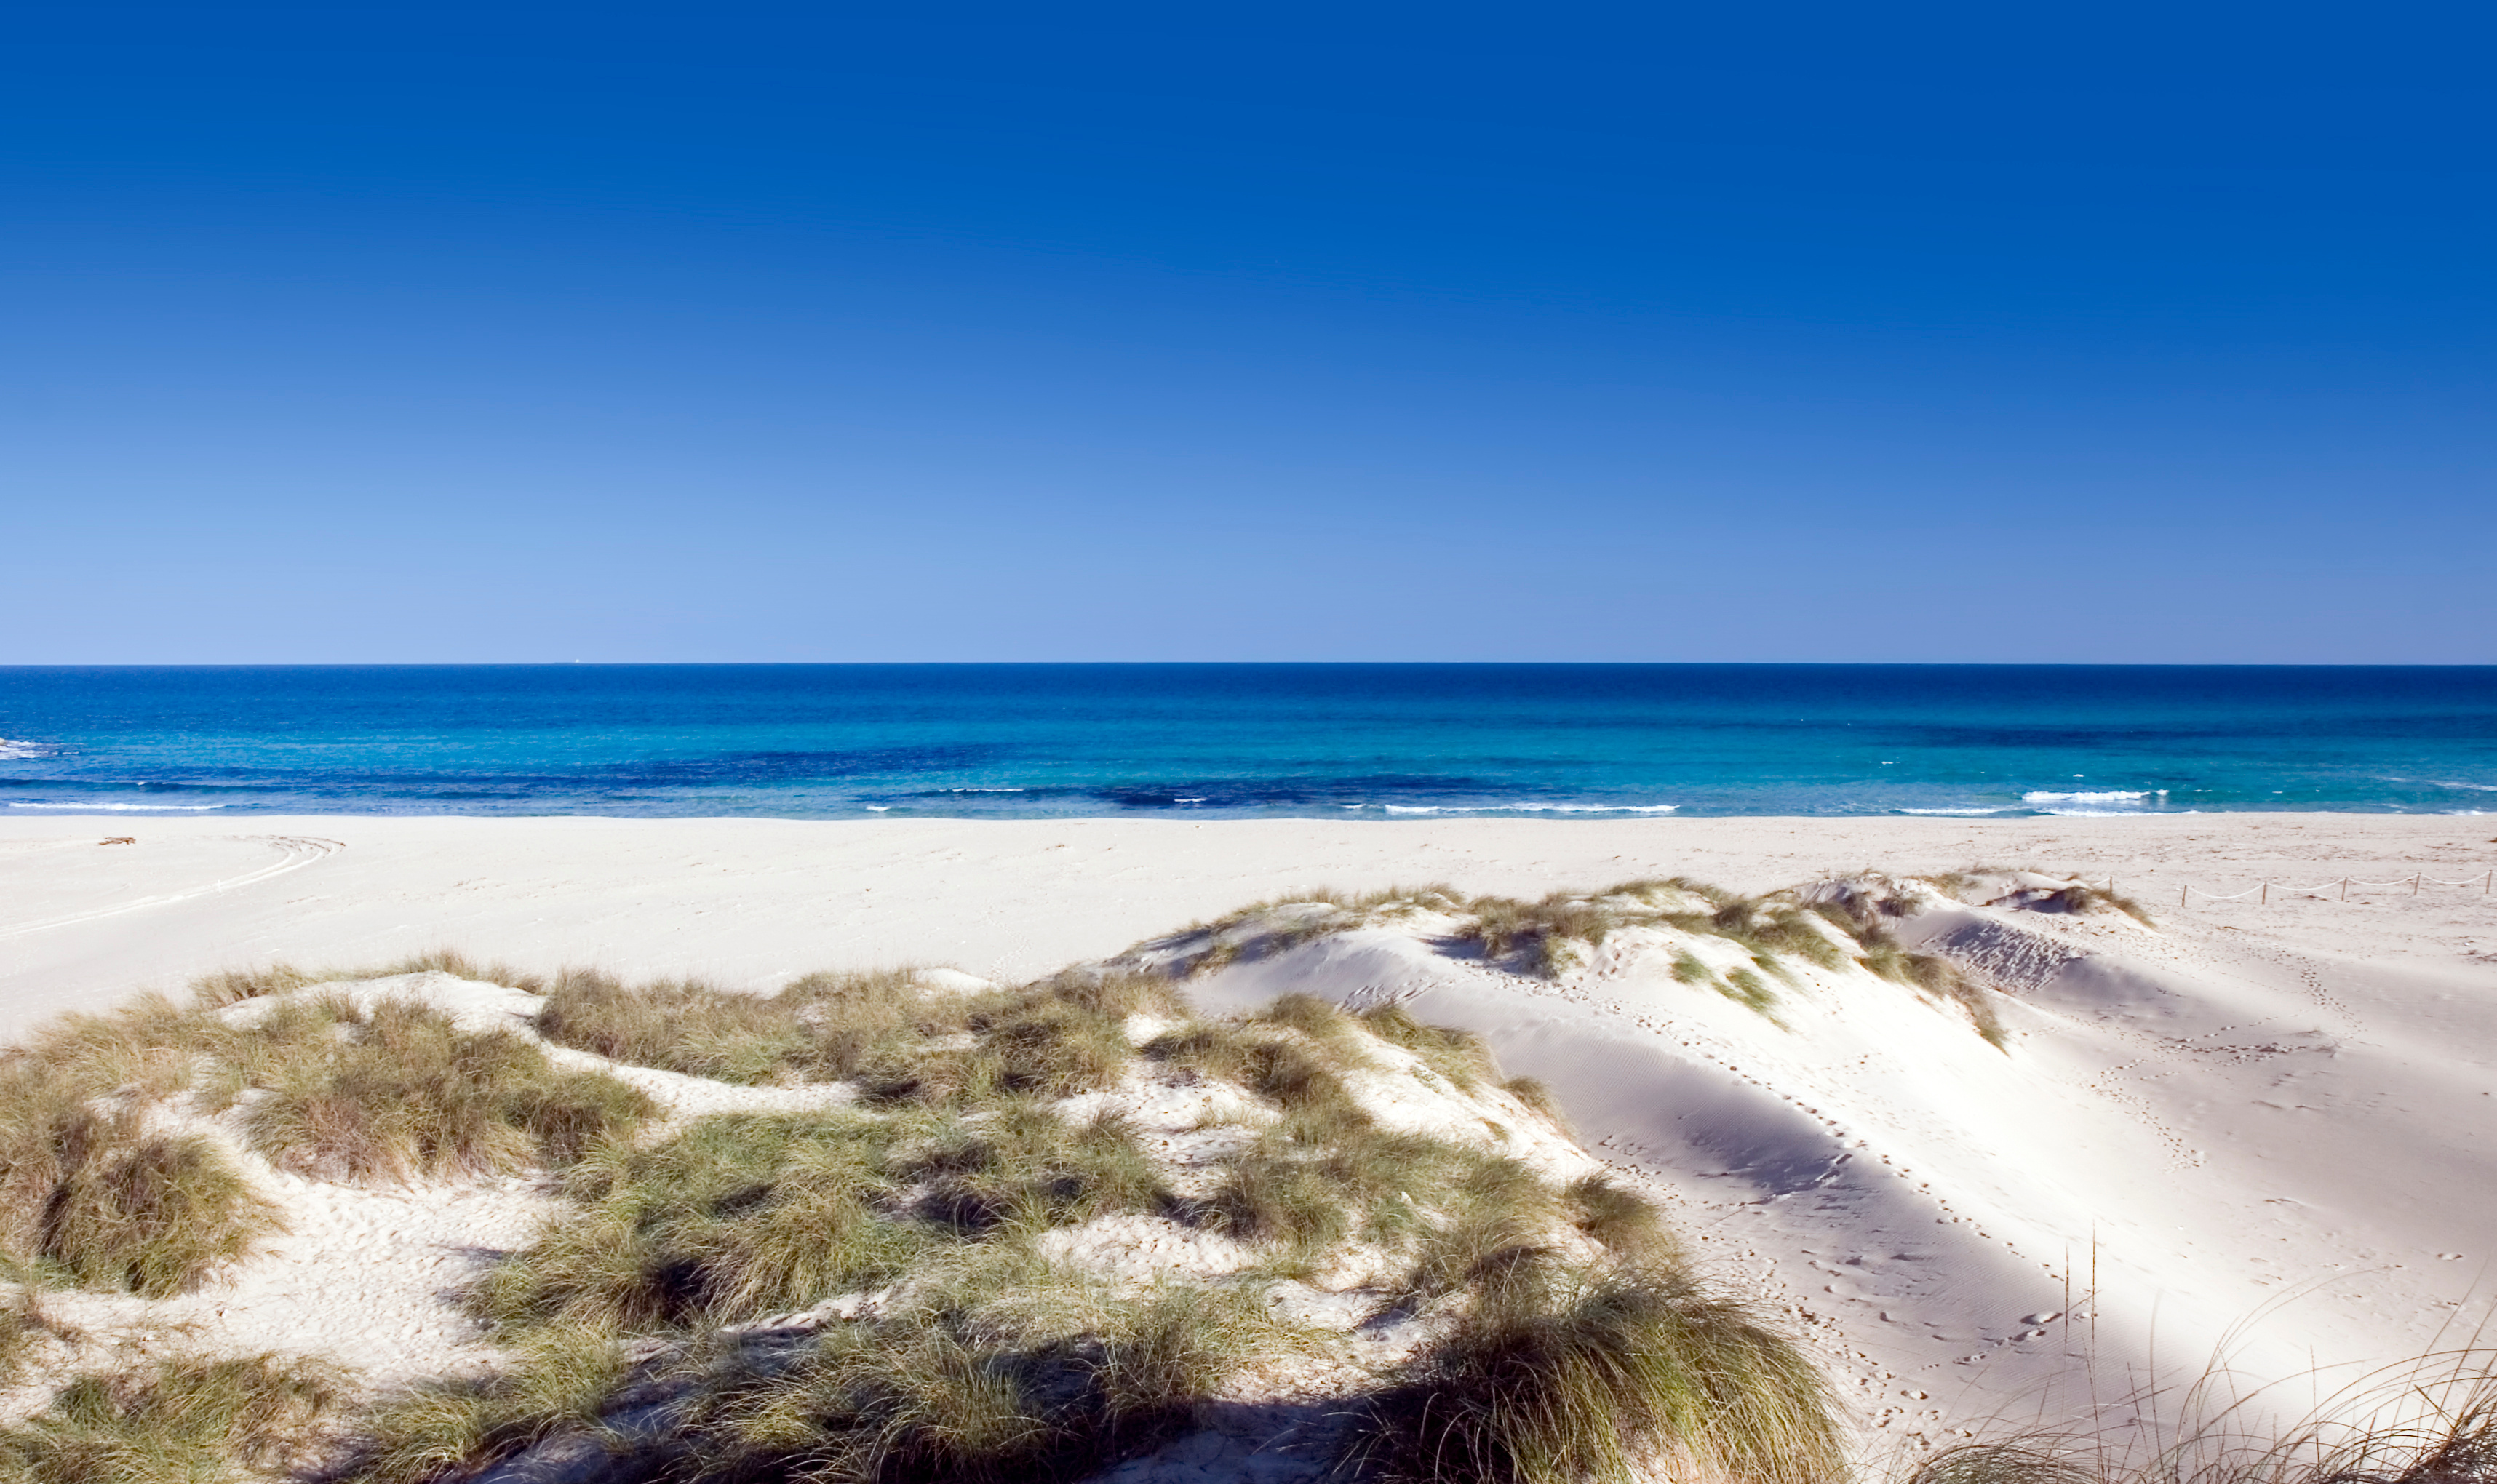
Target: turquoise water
(1377, 742)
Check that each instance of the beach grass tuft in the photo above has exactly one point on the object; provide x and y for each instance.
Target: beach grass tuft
(2431, 1420)
(90, 1196)
(1560, 1378)
(182, 1420)
(401, 1092)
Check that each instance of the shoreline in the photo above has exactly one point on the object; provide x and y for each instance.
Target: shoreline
(754, 903)
(2270, 1112)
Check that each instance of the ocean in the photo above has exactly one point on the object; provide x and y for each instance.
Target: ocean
(1365, 741)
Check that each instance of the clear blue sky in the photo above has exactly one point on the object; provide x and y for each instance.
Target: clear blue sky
(367, 332)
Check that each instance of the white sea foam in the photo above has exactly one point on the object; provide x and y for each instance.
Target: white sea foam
(9, 751)
(1971, 811)
(875, 808)
(123, 809)
(2109, 795)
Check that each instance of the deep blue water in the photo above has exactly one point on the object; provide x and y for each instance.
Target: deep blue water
(1331, 740)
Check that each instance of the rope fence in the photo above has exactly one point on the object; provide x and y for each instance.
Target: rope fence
(2262, 890)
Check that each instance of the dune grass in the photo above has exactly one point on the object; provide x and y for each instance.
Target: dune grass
(2081, 897)
(2430, 1420)
(98, 1191)
(987, 1393)
(1630, 1374)
(1264, 928)
(91, 1196)
(1461, 1056)
(823, 1028)
(992, 1372)
(740, 1216)
(683, 1317)
(564, 1379)
(90, 1193)
(398, 1092)
(1844, 925)
(183, 1420)
(1052, 1039)
(232, 987)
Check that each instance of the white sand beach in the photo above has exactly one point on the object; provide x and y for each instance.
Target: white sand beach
(2264, 1126)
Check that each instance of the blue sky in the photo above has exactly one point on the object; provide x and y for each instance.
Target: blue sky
(753, 332)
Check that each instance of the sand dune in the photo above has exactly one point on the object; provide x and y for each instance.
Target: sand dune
(2266, 1127)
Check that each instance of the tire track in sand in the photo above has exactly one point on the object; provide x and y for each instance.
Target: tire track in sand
(295, 852)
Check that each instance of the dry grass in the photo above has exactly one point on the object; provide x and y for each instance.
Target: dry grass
(1054, 1038)
(1264, 928)
(824, 1028)
(1461, 1056)
(401, 1092)
(958, 1390)
(563, 1379)
(96, 1192)
(1621, 1220)
(188, 1420)
(1289, 1070)
(680, 1316)
(28, 1332)
(230, 987)
(742, 1217)
(2427, 1421)
(2081, 897)
(1538, 1095)
(1627, 1374)
(994, 1371)
(89, 1195)
(735, 1216)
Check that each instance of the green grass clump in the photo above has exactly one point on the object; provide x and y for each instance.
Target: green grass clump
(1052, 1039)
(1264, 928)
(1537, 1094)
(563, 1379)
(1620, 1219)
(1285, 1069)
(1627, 1374)
(985, 1394)
(190, 1420)
(824, 1028)
(1544, 933)
(1553, 935)
(1494, 1213)
(739, 1215)
(89, 1195)
(996, 1373)
(2081, 897)
(1461, 1056)
(401, 1092)
(745, 1215)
